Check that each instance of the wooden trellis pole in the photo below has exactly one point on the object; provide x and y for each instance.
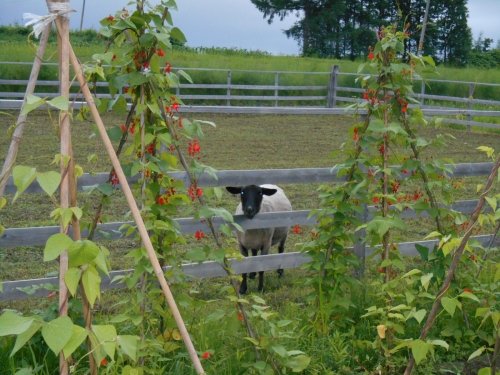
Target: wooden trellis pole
(11, 156)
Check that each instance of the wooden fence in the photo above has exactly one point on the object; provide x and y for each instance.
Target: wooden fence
(279, 89)
(36, 236)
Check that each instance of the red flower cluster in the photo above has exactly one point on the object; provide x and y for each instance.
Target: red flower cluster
(404, 105)
(371, 56)
(296, 229)
(140, 59)
(195, 192)
(165, 198)
(160, 52)
(381, 149)
(395, 185)
(194, 148)
(168, 68)
(110, 18)
(370, 95)
(410, 197)
(104, 362)
(150, 149)
(199, 235)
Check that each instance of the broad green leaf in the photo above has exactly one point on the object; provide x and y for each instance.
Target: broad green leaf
(78, 335)
(13, 324)
(419, 350)
(298, 363)
(25, 336)
(100, 260)
(91, 284)
(449, 304)
(32, 103)
(177, 35)
(128, 345)
(23, 177)
(411, 273)
(106, 336)
(280, 350)
(420, 315)
(477, 353)
(82, 252)
(469, 295)
(492, 202)
(55, 245)
(77, 212)
(49, 181)
(59, 102)
(72, 279)
(487, 150)
(57, 333)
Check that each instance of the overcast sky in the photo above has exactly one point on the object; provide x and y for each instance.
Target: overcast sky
(226, 23)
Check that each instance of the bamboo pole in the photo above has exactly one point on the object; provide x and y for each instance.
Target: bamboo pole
(66, 155)
(10, 159)
(135, 213)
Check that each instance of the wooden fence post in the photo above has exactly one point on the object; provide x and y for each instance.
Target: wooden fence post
(469, 105)
(276, 85)
(332, 88)
(422, 92)
(228, 93)
(359, 246)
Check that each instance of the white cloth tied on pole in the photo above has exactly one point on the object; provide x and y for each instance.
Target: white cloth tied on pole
(40, 22)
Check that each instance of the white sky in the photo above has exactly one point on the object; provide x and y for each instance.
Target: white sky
(226, 23)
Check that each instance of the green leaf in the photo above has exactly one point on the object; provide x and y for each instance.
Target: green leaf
(298, 363)
(449, 304)
(72, 279)
(492, 202)
(419, 315)
(487, 150)
(59, 102)
(419, 350)
(57, 333)
(441, 343)
(91, 284)
(425, 280)
(106, 337)
(280, 350)
(55, 245)
(128, 345)
(78, 335)
(476, 353)
(23, 177)
(49, 181)
(485, 371)
(423, 251)
(469, 295)
(32, 103)
(177, 35)
(25, 336)
(13, 324)
(414, 271)
(82, 252)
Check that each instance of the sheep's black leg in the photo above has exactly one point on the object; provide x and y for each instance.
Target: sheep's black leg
(252, 274)
(261, 281)
(281, 248)
(243, 286)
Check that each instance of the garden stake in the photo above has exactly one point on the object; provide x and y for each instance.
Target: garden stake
(135, 213)
(436, 306)
(10, 159)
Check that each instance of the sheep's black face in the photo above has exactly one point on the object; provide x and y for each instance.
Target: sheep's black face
(251, 198)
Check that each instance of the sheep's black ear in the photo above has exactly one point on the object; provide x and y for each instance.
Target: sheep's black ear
(267, 191)
(234, 189)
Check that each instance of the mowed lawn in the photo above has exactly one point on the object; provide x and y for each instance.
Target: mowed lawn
(237, 142)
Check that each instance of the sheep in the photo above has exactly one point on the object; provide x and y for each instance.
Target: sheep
(255, 199)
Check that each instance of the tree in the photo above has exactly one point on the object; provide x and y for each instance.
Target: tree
(343, 28)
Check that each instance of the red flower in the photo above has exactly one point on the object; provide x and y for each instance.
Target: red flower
(123, 127)
(297, 229)
(395, 186)
(131, 129)
(404, 171)
(104, 361)
(195, 192)
(114, 179)
(376, 200)
(199, 235)
(168, 68)
(110, 18)
(161, 200)
(240, 316)
(160, 52)
(371, 56)
(355, 136)
(194, 147)
(205, 355)
(150, 149)
(381, 149)
(145, 65)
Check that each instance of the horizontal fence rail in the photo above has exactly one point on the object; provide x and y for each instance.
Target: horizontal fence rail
(23, 289)
(318, 89)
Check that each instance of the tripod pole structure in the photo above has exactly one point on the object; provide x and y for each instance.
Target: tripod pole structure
(135, 213)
